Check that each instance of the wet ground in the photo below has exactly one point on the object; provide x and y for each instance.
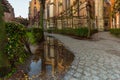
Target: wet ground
(96, 59)
(50, 61)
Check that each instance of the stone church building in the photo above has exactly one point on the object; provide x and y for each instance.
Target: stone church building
(73, 14)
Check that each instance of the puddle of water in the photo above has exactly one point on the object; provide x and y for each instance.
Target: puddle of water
(50, 58)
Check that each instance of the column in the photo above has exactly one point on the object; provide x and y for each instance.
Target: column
(100, 18)
(52, 13)
(99, 14)
(117, 20)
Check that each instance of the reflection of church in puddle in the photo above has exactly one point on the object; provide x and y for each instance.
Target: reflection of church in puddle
(54, 58)
(56, 55)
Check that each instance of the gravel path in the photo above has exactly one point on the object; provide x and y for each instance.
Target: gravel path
(94, 60)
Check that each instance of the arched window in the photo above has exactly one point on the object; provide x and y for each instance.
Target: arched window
(34, 1)
(35, 11)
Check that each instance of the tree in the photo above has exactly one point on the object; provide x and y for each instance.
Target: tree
(42, 7)
(4, 63)
(90, 16)
(23, 21)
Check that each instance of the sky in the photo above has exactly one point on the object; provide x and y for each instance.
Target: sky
(20, 7)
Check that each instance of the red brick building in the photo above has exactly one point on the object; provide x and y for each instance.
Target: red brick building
(8, 11)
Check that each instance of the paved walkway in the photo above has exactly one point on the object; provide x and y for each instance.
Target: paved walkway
(94, 60)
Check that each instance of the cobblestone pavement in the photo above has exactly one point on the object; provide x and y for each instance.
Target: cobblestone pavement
(98, 59)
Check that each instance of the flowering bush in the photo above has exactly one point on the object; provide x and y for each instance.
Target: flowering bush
(15, 47)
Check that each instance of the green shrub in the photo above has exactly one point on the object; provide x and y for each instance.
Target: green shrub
(115, 31)
(16, 34)
(15, 47)
(82, 32)
(35, 35)
(70, 31)
(31, 38)
(38, 34)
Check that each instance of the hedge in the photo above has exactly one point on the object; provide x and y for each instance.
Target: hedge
(115, 31)
(81, 32)
(15, 46)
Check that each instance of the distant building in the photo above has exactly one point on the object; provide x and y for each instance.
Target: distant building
(34, 12)
(8, 11)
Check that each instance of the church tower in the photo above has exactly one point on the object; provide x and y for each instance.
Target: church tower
(34, 9)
